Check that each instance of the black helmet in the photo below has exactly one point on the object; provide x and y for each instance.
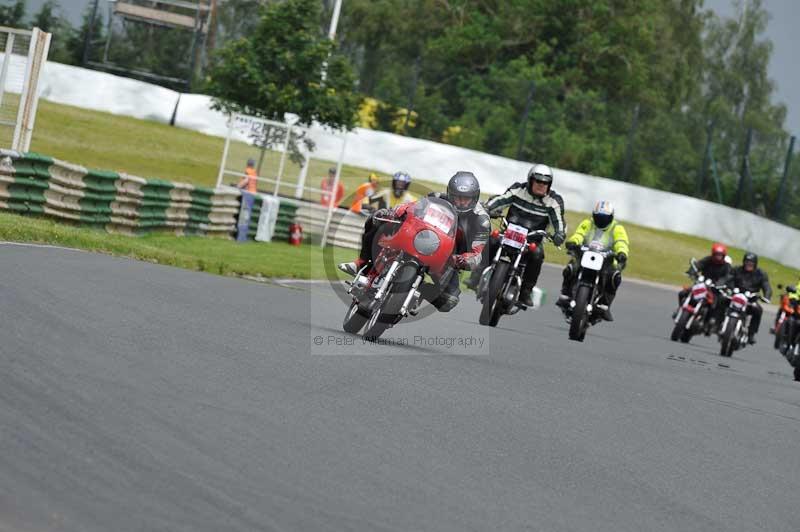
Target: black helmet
(541, 173)
(750, 257)
(400, 183)
(463, 191)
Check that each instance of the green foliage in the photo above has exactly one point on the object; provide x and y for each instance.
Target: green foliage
(13, 14)
(589, 64)
(77, 39)
(50, 20)
(278, 68)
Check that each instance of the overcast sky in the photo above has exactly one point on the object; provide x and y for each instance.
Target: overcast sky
(782, 29)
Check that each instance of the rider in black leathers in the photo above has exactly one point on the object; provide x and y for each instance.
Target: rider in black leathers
(715, 267)
(751, 278)
(533, 205)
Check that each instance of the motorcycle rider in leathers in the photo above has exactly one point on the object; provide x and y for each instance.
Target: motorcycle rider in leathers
(715, 267)
(474, 225)
(749, 277)
(533, 205)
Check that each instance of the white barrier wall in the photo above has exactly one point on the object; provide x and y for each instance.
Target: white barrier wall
(105, 92)
(436, 162)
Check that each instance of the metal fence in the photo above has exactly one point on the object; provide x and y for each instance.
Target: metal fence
(281, 155)
(24, 54)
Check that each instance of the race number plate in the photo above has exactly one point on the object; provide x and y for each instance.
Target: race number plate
(592, 261)
(699, 291)
(515, 236)
(439, 217)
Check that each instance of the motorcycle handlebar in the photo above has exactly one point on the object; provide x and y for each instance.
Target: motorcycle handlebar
(388, 220)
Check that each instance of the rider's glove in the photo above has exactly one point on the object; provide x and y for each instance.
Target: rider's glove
(622, 259)
(385, 213)
(559, 238)
(459, 262)
(572, 246)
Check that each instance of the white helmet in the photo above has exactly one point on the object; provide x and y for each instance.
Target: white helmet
(541, 173)
(603, 214)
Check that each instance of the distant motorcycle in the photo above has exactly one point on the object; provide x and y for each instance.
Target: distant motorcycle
(422, 245)
(787, 330)
(500, 282)
(593, 261)
(695, 315)
(735, 328)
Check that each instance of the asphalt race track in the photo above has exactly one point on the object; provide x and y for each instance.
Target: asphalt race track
(137, 397)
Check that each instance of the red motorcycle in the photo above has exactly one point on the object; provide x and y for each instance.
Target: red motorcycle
(421, 245)
(696, 314)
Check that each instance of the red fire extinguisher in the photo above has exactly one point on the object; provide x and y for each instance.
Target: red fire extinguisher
(295, 234)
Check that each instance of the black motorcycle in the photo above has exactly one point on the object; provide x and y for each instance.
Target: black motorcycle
(594, 262)
(787, 329)
(500, 282)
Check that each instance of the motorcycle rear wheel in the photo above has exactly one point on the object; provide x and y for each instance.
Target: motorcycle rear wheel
(579, 323)
(492, 308)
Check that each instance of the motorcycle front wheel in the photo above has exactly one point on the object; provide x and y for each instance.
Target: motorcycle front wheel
(355, 319)
(580, 319)
(679, 332)
(386, 315)
(492, 308)
(728, 340)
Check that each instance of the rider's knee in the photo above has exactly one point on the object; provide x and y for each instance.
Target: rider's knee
(568, 271)
(537, 255)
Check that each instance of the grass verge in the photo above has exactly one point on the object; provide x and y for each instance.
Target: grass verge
(655, 255)
(149, 149)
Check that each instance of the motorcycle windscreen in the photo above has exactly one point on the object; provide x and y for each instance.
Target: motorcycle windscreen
(438, 214)
(597, 246)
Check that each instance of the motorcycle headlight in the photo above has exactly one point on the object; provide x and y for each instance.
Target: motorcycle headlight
(426, 242)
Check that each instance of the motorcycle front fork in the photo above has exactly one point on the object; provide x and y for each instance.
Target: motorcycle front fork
(486, 274)
(413, 296)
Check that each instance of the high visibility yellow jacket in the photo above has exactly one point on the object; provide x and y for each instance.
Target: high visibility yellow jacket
(614, 236)
(796, 294)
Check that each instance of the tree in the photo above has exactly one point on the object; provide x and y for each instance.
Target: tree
(737, 97)
(278, 69)
(77, 40)
(48, 19)
(641, 90)
(12, 15)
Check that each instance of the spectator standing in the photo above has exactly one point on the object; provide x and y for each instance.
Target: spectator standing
(327, 189)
